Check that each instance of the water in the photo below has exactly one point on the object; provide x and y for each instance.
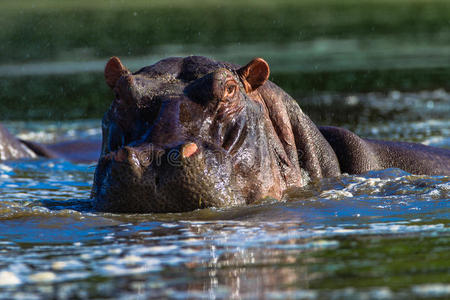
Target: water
(381, 235)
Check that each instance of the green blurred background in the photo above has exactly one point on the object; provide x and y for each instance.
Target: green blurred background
(52, 53)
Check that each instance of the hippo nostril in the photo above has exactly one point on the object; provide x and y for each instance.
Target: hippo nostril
(127, 155)
(189, 149)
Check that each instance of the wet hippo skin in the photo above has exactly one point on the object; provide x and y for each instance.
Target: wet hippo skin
(189, 133)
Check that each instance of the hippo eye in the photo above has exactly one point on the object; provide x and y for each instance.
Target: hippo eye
(231, 88)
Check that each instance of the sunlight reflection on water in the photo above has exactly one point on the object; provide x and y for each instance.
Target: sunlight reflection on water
(389, 222)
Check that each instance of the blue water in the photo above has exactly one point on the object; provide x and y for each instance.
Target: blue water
(380, 235)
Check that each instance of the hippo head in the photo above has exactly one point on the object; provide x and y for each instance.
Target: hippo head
(189, 133)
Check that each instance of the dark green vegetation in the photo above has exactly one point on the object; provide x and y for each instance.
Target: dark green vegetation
(35, 30)
(82, 31)
(82, 95)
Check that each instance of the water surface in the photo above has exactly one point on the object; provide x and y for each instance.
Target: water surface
(380, 235)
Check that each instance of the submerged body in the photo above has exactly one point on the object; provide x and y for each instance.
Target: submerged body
(12, 148)
(83, 151)
(188, 133)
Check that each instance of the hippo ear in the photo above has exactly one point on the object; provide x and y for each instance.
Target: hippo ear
(114, 70)
(254, 74)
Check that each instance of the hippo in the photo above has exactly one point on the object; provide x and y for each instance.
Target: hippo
(192, 133)
(78, 151)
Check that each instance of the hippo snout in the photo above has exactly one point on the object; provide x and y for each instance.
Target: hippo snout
(180, 178)
(148, 155)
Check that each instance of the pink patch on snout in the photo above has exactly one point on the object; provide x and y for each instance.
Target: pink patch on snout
(189, 149)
